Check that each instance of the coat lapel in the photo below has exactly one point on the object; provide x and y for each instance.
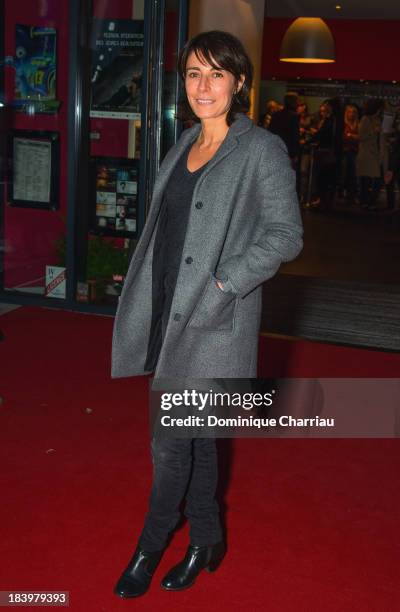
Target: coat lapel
(240, 125)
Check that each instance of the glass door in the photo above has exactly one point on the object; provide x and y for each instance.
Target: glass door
(132, 123)
(109, 218)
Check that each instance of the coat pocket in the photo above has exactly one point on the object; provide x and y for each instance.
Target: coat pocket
(215, 310)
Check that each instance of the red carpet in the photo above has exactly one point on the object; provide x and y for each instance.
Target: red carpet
(312, 524)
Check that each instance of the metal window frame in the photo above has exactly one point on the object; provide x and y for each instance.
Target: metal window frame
(80, 12)
(3, 145)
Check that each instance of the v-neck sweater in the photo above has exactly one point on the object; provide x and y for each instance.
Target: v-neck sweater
(167, 249)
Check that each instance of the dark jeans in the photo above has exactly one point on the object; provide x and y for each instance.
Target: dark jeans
(325, 168)
(350, 173)
(181, 464)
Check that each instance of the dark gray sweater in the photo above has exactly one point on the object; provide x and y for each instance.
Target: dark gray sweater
(167, 252)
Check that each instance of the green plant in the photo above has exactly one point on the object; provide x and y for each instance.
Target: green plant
(104, 258)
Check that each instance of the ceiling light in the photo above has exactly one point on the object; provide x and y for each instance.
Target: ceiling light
(308, 40)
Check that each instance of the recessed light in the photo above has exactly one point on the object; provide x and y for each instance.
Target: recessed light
(338, 7)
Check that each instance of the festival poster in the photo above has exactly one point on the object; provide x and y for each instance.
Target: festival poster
(116, 197)
(117, 68)
(35, 63)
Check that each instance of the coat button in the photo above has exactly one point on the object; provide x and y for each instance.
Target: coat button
(177, 316)
(189, 259)
(199, 204)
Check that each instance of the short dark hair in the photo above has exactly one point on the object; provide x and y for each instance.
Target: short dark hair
(291, 100)
(221, 50)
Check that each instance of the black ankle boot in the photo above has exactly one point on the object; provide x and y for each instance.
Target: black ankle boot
(184, 574)
(136, 578)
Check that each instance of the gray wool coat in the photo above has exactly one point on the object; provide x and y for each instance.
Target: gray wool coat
(243, 223)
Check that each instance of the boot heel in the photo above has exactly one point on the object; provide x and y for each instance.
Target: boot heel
(215, 562)
(211, 567)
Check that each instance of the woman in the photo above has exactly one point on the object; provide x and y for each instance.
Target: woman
(368, 160)
(223, 217)
(350, 149)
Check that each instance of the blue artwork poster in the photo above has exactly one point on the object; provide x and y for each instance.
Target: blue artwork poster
(117, 68)
(35, 63)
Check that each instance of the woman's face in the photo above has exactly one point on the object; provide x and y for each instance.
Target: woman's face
(351, 113)
(272, 107)
(325, 110)
(209, 91)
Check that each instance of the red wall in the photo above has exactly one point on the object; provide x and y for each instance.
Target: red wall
(112, 9)
(30, 233)
(365, 49)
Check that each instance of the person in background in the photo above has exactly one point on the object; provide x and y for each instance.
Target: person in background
(306, 133)
(350, 150)
(392, 173)
(338, 114)
(272, 108)
(304, 119)
(324, 156)
(285, 123)
(368, 162)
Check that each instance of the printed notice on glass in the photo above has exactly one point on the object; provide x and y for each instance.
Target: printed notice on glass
(32, 170)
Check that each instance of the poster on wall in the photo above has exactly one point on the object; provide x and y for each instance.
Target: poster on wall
(115, 182)
(55, 282)
(35, 63)
(117, 68)
(34, 172)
